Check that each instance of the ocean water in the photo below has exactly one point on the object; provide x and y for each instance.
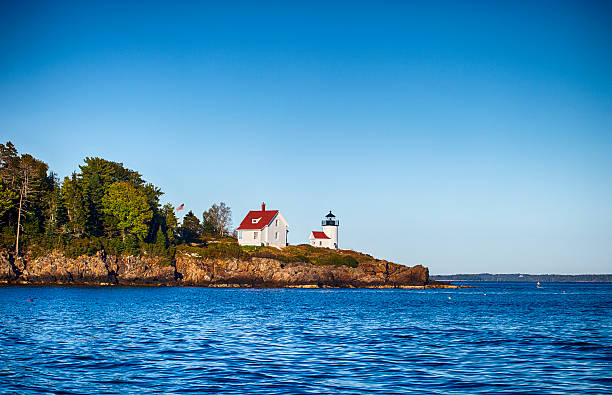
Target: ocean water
(515, 339)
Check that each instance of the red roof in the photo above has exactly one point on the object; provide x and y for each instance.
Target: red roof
(319, 235)
(265, 217)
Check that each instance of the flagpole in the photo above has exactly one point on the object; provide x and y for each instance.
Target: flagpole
(179, 208)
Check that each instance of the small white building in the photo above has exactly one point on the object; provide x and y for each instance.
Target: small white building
(328, 238)
(263, 228)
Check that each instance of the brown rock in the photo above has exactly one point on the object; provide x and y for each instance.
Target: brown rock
(191, 270)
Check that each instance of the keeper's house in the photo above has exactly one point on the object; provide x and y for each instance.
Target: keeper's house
(263, 228)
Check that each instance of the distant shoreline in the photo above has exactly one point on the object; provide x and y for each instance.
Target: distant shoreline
(521, 277)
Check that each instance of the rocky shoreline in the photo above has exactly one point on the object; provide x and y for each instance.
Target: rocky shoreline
(187, 270)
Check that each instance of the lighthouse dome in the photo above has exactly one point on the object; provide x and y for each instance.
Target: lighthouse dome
(330, 220)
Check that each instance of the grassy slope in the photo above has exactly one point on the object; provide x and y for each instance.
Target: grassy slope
(299, 253)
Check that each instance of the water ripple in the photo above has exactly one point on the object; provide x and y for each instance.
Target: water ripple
(191, 340)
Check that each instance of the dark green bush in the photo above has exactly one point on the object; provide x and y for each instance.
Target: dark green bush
(271, 255)
(7, 238)
(112, 246)
(131, 246)
(224, 250)
(337, 260)
(215, 250)
(77, 247)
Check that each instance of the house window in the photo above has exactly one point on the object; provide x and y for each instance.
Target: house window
(255, 220)
(277, 223)
(254, 235)
(240, 234)
(320, 243)
(276, 235)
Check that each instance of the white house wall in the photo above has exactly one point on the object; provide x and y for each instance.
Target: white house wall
(247, 238)
(279, 225)
(323, 243)
(266, 235)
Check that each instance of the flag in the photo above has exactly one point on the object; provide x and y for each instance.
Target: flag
(182, 206)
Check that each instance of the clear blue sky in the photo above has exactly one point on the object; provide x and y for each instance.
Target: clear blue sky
(466, 136)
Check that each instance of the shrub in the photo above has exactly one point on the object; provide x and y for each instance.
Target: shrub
(270, 255)
(337, 260)
(250, 248)
(7, 239)
(112, 246)
(131, 246)
(77, 247)
(224, 250)
(215, 250)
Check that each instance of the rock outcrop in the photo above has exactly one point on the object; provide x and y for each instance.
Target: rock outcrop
(187, 270)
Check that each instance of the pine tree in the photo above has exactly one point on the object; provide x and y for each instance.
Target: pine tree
(170, 222)
(191, 227)
(161, 243)
(76, 208)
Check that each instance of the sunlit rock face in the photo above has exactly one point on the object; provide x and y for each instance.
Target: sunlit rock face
(186, 270)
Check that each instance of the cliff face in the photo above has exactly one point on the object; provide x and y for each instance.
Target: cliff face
(194, 271)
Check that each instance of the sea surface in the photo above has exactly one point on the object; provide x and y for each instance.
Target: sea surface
(497, 338)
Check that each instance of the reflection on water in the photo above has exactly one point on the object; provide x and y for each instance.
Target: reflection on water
(516, 338)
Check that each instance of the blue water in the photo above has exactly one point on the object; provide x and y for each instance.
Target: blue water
(516, 338)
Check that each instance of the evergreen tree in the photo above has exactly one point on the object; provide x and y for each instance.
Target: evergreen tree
(170, 222)
(191, 227)
(161, 244)
(94, 193)
(8, 202)
(31, 174)
(55, 213)
(77, 209)
(94, 206)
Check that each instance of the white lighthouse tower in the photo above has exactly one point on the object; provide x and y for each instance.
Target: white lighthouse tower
(330, 227)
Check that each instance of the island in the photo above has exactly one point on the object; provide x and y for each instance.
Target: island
(220, 264)
(105, 225)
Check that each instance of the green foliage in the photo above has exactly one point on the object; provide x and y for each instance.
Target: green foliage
(55, 212)
(224, 250)
(109, 172)
(215, 250)
(308, 254)
(217, 220)
(103, 206)
(161, 244)
(191, 228)
(251, 248)
(129, 207)
(7, 238)
(337, 260)
(24, 176)
(8, 199)
(78, 247)
(279, 255)
(170, 223)
(131, 246)
(112, 246)
(75, 205)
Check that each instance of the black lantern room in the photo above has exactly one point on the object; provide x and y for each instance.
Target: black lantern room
(330, 220)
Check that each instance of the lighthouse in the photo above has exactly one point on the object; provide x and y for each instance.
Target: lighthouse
(329, 237)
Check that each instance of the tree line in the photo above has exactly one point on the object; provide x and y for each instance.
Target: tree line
(518, 277)
(103, 206)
